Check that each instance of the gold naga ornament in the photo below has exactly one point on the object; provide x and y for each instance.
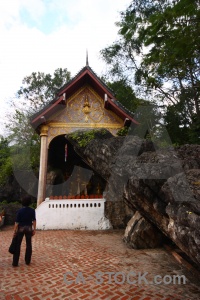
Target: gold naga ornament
(86, 108)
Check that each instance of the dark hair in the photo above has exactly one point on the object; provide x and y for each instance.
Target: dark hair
(26, 201)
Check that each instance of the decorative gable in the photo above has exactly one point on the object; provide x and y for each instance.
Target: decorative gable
(84, 102)
(85, 109)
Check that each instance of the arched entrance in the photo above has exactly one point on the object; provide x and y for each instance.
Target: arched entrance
(68, 175)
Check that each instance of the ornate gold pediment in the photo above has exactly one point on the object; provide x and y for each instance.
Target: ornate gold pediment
(86, 106)
(84, 109)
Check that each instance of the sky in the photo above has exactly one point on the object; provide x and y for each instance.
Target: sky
(43, 35)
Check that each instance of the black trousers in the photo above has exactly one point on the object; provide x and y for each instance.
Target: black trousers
(27, 231)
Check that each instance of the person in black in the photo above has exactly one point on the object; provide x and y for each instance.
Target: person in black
(25, 224)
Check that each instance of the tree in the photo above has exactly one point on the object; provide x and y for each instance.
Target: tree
(173, 119)
(4, 150)
(23, 144)
(125, 94)
(5, 161)
(37, 90)
(158, 50)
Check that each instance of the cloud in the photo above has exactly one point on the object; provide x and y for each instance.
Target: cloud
(43, 35)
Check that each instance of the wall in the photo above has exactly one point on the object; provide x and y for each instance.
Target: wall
(72, 214)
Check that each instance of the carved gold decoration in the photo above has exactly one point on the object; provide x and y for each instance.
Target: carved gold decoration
(86, 108)
(56, 131)
(75, 113)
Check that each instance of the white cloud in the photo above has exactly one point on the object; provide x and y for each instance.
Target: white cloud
(26, 48)
(35, 8)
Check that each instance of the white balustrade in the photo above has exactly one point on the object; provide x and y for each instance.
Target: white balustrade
(72, 214)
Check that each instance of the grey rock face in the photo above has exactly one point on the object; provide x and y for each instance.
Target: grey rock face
(162, 184)
(141, 234)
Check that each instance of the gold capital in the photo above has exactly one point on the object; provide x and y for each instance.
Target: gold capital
(44, 130)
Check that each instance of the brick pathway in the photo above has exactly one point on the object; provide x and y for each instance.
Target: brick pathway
(57, 252)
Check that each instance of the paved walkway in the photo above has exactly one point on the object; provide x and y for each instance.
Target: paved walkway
(65, 265)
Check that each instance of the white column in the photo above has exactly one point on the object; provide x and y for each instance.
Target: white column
(43, 165)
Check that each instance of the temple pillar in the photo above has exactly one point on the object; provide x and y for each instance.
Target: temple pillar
(43, 164)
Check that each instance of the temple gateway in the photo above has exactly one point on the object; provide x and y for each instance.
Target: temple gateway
(70, 193)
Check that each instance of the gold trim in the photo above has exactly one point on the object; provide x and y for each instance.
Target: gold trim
(84, 125)
(63, 131)
(44, 130)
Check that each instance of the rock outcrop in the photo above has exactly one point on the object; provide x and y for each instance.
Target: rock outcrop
(162, 184)
(141, 234)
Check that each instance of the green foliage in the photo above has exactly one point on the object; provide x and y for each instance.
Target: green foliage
(83, 138)
(4, 150)
(125, 94)
(33, 205)
(25, 156)
(158, 50)
(22, 147)
(5, 161)
(4, 202)
(5, 171)
(37, 91)
(40, 88)
(123, 131)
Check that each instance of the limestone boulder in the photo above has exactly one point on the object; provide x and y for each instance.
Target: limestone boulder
(141, 234)
(162, 184)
